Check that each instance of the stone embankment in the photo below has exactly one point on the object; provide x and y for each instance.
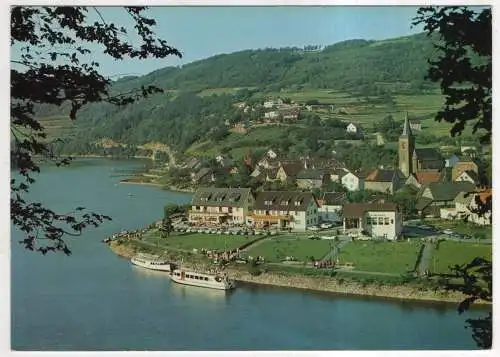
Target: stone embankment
(318, 283)
(328, 284)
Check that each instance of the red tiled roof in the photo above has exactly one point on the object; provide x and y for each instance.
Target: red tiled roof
(485, 194)
(426, 177)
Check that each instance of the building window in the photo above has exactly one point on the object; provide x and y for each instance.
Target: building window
(386, 221)
(392, 221)
(380, 221)
(374, 221)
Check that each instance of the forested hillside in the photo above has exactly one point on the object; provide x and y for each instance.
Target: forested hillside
(353, 66)
(199, 96)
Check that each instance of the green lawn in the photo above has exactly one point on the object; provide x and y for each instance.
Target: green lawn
(451, 253)
(277, 249)
(384, 257)
(189, 241)
(463, 227)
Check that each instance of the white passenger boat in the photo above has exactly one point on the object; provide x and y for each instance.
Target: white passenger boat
(153, 262)
(218, 281)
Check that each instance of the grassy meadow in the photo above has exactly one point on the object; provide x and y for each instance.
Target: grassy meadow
(276, 249)
(189, 241)
(450, 253)
(383, 257)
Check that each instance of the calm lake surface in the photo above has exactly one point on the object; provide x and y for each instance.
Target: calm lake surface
(94, 300)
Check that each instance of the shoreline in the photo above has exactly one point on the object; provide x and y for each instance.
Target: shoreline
(164, 187)
(323, 284)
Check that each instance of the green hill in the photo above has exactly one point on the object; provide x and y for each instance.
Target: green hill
(363, 81)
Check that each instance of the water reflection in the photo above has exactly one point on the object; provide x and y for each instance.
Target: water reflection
(206, 294)
(148, 272)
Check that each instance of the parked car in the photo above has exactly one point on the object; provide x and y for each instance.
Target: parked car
(313, 228)
(326, 225)
(448, 232)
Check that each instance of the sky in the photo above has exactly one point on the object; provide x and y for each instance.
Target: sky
(202, 32)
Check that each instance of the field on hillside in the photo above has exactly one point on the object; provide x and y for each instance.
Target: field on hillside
(55, 127)
(239, 143)
(345, 107)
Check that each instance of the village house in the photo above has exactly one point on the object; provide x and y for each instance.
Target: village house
(266, 162)
(271, 154)
(412, 181)
(416, 125)
(312, 178)
(384, 180)
(269, 160)
(434, 196)
(330, 206)
(272, 103)
(462, 166)
(271, 115)
(292, 114)
(452, 161)
(466, 207)
(203, 176)
(377, 220)
(427, 177)
(262, 174)
(239, 105)
(284, 210)
(352, 128)
(467, 176)
(337, 174)
(353, 181)
(468, 150)
(321, 163)
(220, 205)
(288, 171)
(427, 159)
(239, 128)
(485, 217)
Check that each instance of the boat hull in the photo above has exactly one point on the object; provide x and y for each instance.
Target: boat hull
(159, 267)
(210, 284)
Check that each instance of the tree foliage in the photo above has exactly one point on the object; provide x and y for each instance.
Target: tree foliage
(476, 281)
(54, 66)
(464, 70)
(464, 67)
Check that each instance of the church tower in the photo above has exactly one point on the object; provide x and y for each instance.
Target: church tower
(405, 149)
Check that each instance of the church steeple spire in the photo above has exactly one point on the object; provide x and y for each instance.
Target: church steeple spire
(406, 127)
(406, 146)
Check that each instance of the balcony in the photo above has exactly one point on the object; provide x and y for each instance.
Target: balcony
(207, 213)
(270, 217)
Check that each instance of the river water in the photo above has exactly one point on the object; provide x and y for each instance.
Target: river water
(94, 300)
